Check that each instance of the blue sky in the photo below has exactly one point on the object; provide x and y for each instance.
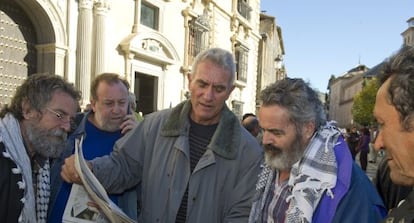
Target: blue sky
(325, 37)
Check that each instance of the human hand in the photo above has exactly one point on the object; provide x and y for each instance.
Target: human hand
(130, 122)
(69, 173)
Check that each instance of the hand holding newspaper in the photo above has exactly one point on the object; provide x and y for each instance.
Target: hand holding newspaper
(112, 213)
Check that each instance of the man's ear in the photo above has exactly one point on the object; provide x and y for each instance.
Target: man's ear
(309, 129)
(92, 104)
(27, 110)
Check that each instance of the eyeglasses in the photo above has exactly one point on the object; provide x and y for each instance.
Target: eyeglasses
(62, 117)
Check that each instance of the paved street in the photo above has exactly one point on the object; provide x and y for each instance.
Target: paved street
(371, 167)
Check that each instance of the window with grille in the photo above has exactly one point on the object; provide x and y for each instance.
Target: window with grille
(198, 36)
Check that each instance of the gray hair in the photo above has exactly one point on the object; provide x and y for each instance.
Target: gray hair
(298, 98)
(109, 78)
(218, 56)
(37, 90)
(399, 68)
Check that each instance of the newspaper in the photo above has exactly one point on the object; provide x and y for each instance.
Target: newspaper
(89, 202)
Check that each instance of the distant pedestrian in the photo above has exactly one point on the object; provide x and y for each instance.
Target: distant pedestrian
(372, 155)
(353, 140)
(246, 115)
(363, 148)
(251, 124)
(133, 107)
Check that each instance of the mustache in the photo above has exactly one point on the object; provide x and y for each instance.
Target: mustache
(59, 133)
(272, 148)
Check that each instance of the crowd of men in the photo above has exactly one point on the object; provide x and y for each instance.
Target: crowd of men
(197, 162)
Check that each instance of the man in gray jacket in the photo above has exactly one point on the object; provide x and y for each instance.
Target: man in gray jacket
(195, 162)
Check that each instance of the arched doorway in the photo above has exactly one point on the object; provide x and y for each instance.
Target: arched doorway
(17, 49)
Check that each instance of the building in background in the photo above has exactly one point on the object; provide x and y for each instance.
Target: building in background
(271, 52)
(408, 34)
(341, 95)
(343, 89)
(152, 43)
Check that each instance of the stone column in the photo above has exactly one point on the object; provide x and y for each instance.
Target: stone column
(101, 8)
(83, 49)
(137, 16)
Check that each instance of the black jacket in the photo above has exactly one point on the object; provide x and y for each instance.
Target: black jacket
(10, 194)
(403, 213)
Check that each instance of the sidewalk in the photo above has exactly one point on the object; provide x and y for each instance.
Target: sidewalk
(371, 167)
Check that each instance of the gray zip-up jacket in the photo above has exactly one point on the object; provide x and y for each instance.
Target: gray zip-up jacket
(156, 154)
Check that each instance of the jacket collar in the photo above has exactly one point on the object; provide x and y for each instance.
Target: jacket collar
(81, 119)
(226, 139)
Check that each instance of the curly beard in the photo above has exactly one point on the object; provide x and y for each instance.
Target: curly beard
(283, 159)
(46, 143)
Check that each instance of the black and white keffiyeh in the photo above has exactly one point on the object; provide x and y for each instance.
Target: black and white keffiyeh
(310, 177)
(43, 192)
(314, 174)
(34, 210)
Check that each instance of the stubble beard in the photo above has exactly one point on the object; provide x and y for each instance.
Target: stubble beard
(106, 124)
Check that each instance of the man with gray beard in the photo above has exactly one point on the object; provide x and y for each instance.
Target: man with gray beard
(107, 121)
(308, 174)
(33, 129)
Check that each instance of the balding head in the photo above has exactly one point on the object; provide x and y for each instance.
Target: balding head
(252, 125)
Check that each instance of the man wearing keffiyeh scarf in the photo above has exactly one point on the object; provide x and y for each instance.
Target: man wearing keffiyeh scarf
(33, 129)
(308, 174)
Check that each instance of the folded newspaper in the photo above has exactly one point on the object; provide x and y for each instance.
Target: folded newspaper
(89, 202)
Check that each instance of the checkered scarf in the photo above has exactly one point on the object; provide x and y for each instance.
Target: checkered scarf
(314, 174)
(43, 192)
(309, 178)
(11, 136)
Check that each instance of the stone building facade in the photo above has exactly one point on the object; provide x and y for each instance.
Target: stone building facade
(343, 89)
(341, 95)
(152, 43)
(271, 52)
(408, 34)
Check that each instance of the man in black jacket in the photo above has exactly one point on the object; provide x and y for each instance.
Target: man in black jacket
(394, 111)
(33, 129)
(391, 193)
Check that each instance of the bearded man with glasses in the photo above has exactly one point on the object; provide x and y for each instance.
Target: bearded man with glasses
(33, 130)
